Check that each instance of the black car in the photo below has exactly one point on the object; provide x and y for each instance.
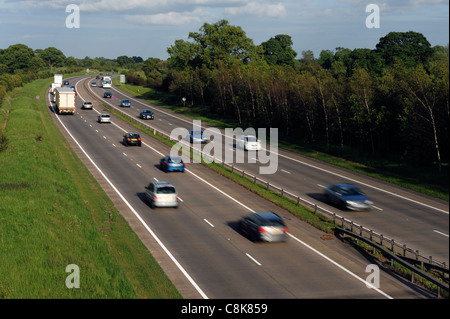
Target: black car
(146, 115)
(66, 83)
(132, 139)
(107, 95)
(263, 226)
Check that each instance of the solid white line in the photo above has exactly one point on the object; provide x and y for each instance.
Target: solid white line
(199, 290)
(298, 240)
(341, 267)
(436, 231)
(254, 260)
(208, 222)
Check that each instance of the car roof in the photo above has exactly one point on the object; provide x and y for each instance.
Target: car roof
(162, 183)
(344, 185)
(267, 215)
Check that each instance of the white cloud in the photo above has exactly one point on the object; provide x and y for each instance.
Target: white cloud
(259, 9)
(169, 18)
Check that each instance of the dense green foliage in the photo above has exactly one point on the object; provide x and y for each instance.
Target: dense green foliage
(390, 101)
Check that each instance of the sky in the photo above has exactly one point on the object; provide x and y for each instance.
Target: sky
(146, 28)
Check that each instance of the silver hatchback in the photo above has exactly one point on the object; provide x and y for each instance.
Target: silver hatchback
(161, 194)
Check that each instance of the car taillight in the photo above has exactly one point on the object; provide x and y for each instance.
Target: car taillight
(155, 197)
(262, 230)
(139, 139)
(128, 139)
(284, 229)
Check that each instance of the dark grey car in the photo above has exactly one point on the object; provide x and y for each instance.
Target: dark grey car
(347, 196)
(146, 115)
(263, 226)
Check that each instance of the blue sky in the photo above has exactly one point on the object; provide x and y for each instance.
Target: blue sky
(111, 28)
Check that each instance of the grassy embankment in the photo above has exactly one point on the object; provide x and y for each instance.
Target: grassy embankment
(426, 180)
(54, 213)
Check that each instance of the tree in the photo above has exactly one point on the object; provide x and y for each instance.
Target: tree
(224, 42)
(278, 50)
(410, 47)
(184, 54)
(17, 57)
(52, 57)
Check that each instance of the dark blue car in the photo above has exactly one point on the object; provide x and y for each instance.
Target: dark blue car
(347, 196)
(172, 164)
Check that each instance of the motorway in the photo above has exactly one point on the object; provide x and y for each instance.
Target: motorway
(197, 244)
(419, 221)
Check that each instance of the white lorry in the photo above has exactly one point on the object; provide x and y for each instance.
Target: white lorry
(57, 82)
(58, 78)
(65, 100)
(106, 82)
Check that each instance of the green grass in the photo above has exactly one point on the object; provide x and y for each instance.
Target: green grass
(54, 213)
(426, 180)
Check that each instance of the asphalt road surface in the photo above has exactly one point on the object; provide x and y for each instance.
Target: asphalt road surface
(198, 244)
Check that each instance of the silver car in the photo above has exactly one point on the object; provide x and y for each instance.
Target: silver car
(104, 118)
(161, 194)
(87, 105)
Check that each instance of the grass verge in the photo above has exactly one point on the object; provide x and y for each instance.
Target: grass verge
(53, 213)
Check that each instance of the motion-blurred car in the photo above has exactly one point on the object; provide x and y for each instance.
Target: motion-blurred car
(125, 103)
(94, 84)
(87, 105)
(263, 226)
(172, 163)
(104, 118)
(132, 139)
(161, 194)
(107, 95)
(347, 196)
(196, 136)
(249, 142)
(146, 115)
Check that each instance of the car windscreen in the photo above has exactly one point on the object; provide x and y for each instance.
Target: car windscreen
(350, 191)
(251, 139)
(175, 159)
(165, 190)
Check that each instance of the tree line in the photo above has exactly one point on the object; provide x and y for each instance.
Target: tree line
(390, 101)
